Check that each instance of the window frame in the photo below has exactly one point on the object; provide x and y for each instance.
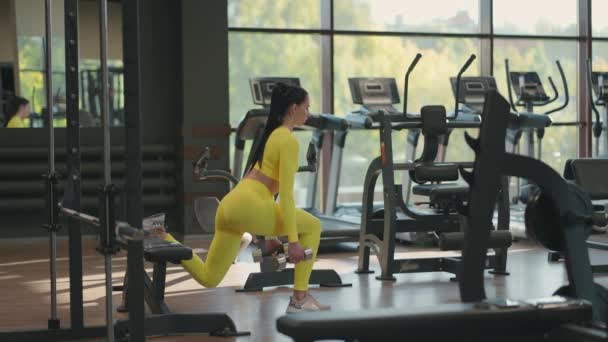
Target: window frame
(486, 35)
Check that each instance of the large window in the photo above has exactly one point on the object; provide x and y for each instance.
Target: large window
(292, 14)
(540, 56)
(598, 18)
(366, 56)
(550, 28)
(537, 17)
(326, 42)
(264, 55)
(407, 15)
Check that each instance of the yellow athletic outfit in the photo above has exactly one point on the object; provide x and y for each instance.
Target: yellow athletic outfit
(16, 122)
(250, 207)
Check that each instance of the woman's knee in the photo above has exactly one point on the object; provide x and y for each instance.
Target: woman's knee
(212, 282)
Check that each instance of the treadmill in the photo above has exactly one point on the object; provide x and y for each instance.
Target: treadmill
(373, 94)
(250, 128)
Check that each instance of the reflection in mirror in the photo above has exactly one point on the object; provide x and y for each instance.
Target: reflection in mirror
(22, 30)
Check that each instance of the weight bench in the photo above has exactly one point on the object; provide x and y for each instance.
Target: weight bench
(500, 321)
(160, 252)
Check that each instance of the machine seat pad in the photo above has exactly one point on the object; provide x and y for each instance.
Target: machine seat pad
(442, 191)
(156, 250)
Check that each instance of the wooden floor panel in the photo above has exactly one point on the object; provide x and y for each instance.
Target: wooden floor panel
(24, 284)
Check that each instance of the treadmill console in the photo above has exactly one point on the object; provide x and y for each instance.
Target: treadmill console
(599, 82)
(261, 88)
(528, 87)
(473, 91)
(375, 93)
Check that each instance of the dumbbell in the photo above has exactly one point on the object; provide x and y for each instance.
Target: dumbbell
(258, 255)
(307, 252)
(278, 260)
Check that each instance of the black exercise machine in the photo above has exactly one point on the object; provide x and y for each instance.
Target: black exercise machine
(444, 216)
(530, 93)
(559, 217)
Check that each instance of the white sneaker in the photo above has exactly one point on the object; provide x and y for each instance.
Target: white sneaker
(245, 242)
(307, 304)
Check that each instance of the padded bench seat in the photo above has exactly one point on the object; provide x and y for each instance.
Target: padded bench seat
(457, 322)
(156, 250)
(442, 192)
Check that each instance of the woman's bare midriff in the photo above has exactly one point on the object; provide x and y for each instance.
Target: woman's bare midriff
(270, 183)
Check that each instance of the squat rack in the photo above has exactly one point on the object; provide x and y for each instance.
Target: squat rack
(72, 194)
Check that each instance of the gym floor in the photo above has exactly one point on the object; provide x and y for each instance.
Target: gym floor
(24, 274)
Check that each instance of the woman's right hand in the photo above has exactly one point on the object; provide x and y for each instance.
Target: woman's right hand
(296, 252)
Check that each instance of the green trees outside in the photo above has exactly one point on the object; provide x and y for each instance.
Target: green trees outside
(273, 54)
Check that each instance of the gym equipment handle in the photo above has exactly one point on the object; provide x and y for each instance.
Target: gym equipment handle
(455, 241)
(407, 78)
(462, 70)
(124, 231)
(566, 93)
(327, 122)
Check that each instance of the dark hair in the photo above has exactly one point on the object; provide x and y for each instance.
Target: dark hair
(283, 96)
(13, 107)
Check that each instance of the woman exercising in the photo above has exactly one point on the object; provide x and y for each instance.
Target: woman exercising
(250, 206)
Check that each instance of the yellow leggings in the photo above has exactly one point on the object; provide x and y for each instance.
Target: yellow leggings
(250, 207)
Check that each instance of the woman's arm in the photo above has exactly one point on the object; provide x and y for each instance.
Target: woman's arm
(288, 166)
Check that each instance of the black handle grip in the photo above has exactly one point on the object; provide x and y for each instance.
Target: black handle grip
(407, 79)
(462, 70)
(566, 93)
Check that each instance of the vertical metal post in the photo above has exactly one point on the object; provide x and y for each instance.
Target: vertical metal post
(339, 139)
(73, 159)
(486, 48)
(313, 180)
(132, 85)
(603, 150)
(388, 186)
(107, 175)
(327, 95)
(48, 6)
(584, 53)
(413, 136)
